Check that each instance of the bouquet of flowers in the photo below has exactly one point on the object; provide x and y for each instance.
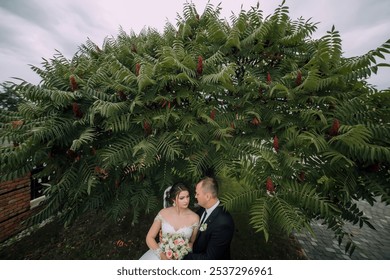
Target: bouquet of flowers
(174, 246)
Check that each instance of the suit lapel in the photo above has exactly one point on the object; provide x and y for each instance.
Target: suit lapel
(199, 242)
(209, 219)
(213, 215)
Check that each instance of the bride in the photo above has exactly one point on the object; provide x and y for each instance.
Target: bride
(175, 219)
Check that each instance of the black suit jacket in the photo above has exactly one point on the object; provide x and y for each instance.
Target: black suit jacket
(214, 242)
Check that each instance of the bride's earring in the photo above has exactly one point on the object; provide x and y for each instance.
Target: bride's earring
(174, 204)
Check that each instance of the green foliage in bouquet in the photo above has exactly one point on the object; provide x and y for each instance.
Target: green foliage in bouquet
(256, 99)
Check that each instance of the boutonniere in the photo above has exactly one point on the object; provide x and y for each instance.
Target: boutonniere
(203, 227)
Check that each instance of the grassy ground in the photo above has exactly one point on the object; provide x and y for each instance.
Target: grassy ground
(94, 238)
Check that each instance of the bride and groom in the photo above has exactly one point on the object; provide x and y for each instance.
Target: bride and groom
(184, 234)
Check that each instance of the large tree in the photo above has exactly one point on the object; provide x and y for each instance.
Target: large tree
(256, 99)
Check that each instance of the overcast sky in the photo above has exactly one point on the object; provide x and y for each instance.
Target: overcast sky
(34, 29)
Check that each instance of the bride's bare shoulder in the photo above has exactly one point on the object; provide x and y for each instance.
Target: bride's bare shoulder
(193, 216)
(165, 211)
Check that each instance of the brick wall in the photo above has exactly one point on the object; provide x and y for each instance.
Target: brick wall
(14, 206)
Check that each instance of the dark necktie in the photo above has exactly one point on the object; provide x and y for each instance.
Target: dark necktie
(204, 217)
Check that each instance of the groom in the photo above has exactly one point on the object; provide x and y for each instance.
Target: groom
(216, 227)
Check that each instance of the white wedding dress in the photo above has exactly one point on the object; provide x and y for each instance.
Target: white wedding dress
(168, 228)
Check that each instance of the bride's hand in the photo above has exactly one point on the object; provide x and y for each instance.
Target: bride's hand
(163, 256)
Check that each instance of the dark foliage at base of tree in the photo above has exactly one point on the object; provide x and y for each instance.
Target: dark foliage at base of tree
(256, 99)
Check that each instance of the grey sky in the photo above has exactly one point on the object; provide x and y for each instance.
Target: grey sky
(33, 29)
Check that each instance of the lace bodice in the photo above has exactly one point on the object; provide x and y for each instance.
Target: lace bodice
(166, 227)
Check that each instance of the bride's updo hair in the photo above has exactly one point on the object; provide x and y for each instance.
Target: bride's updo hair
(171, 195)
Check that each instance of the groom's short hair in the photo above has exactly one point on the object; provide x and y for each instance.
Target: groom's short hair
(210, 184)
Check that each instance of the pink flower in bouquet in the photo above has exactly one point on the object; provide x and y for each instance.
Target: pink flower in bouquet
(176, 256)
(179, 242)
(169, 253)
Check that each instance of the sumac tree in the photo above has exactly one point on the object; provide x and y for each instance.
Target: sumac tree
(255, 99)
